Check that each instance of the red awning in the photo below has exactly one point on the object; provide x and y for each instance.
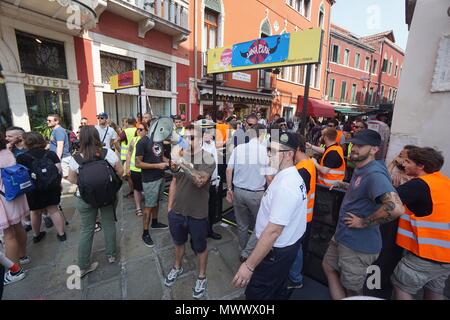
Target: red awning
(316, 108)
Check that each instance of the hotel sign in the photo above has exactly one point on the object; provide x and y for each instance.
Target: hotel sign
(41, 81)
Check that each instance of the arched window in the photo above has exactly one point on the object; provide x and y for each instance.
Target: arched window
(321, 15)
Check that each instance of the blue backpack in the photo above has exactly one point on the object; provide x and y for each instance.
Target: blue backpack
(17, 181)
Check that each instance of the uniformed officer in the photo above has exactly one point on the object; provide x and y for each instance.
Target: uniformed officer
(280, 225)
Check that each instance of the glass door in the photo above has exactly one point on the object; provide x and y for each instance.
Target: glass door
(43, 101)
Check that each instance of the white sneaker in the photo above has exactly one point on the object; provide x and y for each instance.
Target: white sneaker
(25, 260)
(172, 276)
(10, 278)
(200, 288)
(91, 268)
(111, 259)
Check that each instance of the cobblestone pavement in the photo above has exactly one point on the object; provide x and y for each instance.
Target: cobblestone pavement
(140, 271)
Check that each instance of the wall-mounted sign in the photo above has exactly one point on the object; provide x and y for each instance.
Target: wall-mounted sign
(40, 81)
(441, 76)
(126, 80)
(302, 47)
(241, 76)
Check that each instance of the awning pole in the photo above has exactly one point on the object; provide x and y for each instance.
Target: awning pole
(117, 108)
(302, 128)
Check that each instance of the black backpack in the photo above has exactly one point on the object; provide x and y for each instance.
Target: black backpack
(45, 173)
(98, 182)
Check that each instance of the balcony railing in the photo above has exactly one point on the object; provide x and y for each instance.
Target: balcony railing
(175, 11)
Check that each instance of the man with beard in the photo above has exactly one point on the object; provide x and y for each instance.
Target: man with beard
(370, 200)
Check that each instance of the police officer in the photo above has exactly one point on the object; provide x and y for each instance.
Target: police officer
(280, 225)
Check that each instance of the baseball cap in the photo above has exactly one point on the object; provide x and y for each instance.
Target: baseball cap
(287, 139)
(367, 137)
(103, 115)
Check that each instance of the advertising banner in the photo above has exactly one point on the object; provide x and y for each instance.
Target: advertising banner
(302, 47)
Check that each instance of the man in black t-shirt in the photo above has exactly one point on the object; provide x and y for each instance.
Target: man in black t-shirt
(426, 263)
(150, 158)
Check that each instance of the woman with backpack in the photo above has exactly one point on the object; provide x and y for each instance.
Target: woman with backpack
(11, 215)
(96, 171)
(133, 171)
(45, 169)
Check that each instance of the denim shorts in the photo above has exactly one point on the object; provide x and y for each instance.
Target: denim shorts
(181, 226)
(153, 192)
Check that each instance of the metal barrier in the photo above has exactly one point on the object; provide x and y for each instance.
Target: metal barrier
(320, 231)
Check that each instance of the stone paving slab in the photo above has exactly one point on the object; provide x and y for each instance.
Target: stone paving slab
(139, 272)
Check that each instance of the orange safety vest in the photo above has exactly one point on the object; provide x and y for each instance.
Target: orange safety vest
(335, 174)
(311, 168)
(429, 237)
(339, 137)
(222, 132)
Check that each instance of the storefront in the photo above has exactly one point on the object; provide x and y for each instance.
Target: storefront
(5, 112)
(41, 77)
(113, 56)
(235, 101)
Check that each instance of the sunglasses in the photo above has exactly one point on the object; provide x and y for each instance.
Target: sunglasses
(271, 151)
(250, 124)
(100, 118)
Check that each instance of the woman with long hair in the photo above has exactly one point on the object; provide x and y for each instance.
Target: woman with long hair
(134, 172)
(11, 215)
(91, 149)
(45, 200)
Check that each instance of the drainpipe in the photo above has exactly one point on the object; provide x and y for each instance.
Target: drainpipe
(327, 73)
(195, 57)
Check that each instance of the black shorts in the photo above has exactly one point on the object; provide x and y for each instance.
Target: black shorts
(180, 226)
(136, 177)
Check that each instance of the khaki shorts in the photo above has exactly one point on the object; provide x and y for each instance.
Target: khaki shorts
(65, 166)
(153, 192)
(414, 273)
(351, 265)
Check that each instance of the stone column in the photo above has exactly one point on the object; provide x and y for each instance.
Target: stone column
(15, 89)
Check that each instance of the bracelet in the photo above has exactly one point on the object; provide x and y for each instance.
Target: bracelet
(249, 269)
(230, 189)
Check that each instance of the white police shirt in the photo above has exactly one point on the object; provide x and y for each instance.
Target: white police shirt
(284, 203)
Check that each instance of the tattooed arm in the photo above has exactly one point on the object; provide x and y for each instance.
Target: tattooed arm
(392, 208)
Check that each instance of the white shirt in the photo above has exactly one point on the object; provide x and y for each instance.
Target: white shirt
(111, 157)
(284, 203)
(249, 162)
(106, 135)
(211, 148)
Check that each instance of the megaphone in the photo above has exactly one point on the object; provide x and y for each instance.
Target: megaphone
(161, 129)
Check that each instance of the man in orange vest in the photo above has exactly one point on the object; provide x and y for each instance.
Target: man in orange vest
(340, 138)
(424, 230)
(307, 170)
(331, 169)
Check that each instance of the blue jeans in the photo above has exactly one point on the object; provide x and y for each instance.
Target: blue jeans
(295, 274)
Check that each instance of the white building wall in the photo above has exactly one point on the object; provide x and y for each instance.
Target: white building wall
(420, 116)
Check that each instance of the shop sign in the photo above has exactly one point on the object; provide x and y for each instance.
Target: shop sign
(41, 81)
(241, 76)
(126, 80)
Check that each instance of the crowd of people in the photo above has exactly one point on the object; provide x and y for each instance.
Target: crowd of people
(270, 172)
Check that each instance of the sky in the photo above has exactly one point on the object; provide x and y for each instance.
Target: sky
(365, 17)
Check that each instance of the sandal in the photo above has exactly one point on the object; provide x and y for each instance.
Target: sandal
(139, 212)
(98, 227)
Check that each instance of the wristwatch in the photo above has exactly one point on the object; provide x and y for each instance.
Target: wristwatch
(230, 189)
